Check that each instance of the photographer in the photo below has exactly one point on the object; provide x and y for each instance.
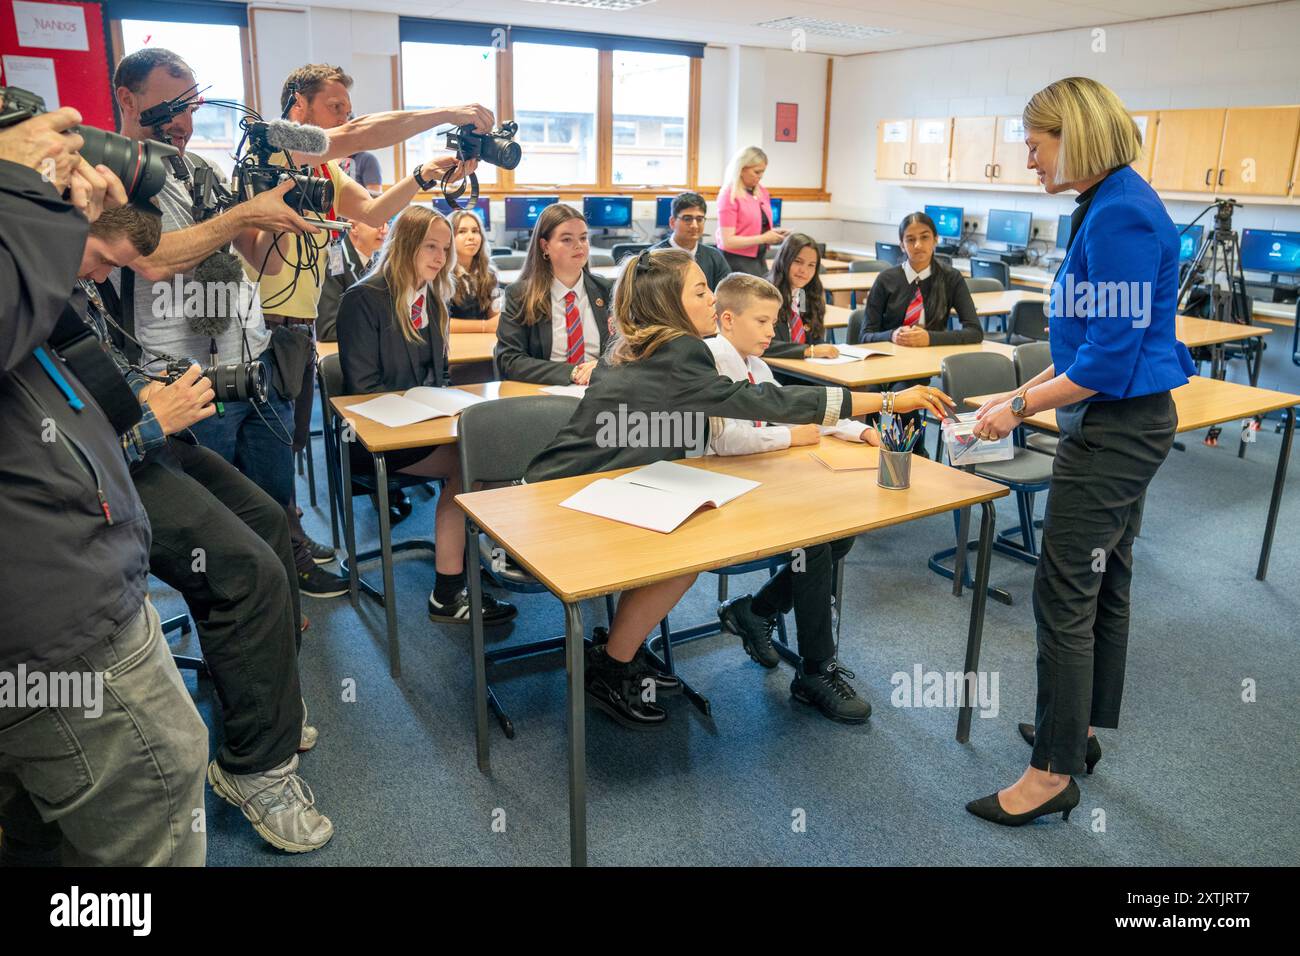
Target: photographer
(121, 785)
(223, 543)
(318, 95)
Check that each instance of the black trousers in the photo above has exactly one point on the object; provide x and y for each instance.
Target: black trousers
(302, 408)
(1108, 454)
(808, 593)
(754, 265)
(223, 543)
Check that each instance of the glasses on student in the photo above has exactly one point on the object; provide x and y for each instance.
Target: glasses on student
(691, 220)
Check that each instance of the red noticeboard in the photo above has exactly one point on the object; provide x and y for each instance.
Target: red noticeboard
(80, 75)
(787, 122)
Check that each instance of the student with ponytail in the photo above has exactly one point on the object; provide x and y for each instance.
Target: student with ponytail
(659, 364)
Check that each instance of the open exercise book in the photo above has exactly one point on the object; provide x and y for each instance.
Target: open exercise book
(658, 497)
(417, 404)
(848, 354)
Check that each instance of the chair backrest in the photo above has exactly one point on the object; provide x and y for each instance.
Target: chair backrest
(967, 374)
(331, 376)
(944, 258)
(512, 261)
(1029, 320)
(983, 285)
(890, 252)
(868, 265)
(991, 269)
(857, 319)
(497, 440)
(621, 250)
(600, 259)
(501, 251)
(1030, 359)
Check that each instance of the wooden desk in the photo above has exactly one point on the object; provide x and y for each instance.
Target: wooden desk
(901, 364)
(986, 303)
(579, 556)
(1203, 402)
(465, 347)
(1194, 332)
(849, 281)
(326, 348)
(1274, 313)
(378, 440)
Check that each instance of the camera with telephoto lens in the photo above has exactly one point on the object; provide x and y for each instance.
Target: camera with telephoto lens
(234, 382)
(497, 146)
(138, 163)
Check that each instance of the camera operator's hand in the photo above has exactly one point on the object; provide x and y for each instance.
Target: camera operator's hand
(269, 212)
(475, 113)
(437, 169)
(94, 189)
(181, 403)
(40, 143)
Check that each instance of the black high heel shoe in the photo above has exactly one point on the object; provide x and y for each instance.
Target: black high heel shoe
(1090, 758)
(988, 808)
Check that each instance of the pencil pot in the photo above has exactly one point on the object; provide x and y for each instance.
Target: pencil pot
(895, 469)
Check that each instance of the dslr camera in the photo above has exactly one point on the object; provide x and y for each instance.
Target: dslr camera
(234, 382)
(497, 147)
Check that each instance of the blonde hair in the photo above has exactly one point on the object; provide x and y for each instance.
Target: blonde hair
(749, 156)
(1097, 133)
(648, 310)
(478, 283)
(737, 292)
(397, 266)
(537, 274)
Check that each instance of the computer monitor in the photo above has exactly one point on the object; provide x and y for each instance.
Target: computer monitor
(1189, 241)
(1268, 250)
(776, 211)
(607, 212)
(663, 211)
(1006, 225)
(522, 211)
(1063, 224)
(947, 220)
(482, 206)
(890, 252)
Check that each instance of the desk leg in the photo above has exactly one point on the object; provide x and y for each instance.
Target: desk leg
(574, 650)
(1283, 457)
(959, 558)
(974, 637)
(475, 580)
(349, 522)
(386, 553)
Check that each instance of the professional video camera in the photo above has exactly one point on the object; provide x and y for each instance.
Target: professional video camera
(139, 164)
(234, 382)
(497, 147)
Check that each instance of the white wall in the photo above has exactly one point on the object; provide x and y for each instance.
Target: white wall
(1240, 57)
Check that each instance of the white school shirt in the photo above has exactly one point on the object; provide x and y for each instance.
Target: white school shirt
(672, 244)
(560, 332)
(734, 436)
(912, 274)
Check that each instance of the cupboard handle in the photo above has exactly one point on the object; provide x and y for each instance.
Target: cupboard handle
(988, 170)
(1207, 176)
(914, 169)
(1221, 177)
(997, 170)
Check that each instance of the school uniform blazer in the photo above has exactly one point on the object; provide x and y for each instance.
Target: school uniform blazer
(782, 346)
(523, 352)
(375, 355)
(657, 409)
(891, 294)
(1122, 347)
(711, 262)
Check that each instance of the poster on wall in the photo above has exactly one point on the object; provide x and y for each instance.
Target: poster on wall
(787, 122)
(930, 131)
(50, 26)
(57, 50)
(1013, 130)
(894, 131)
(35, 74)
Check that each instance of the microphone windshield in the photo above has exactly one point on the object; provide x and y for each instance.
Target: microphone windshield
(297, 138)
(216, 295)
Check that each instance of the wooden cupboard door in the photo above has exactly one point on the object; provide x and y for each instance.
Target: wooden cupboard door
(893, 148)
(931, 139)
(1146, 123)
(972, 149)
(1010, 154)
(1259, 147)
(1187, 150)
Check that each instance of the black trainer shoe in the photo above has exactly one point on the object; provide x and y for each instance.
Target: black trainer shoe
(321, 584)
(755, 633)
(616, 689)
(320, 553)
(831, 693)
(664, 683)
(457, 611)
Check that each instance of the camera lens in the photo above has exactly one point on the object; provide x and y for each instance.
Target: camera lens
(139, 164)
(507, 153)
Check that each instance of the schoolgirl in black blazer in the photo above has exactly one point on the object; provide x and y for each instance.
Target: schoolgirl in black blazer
(800, 330)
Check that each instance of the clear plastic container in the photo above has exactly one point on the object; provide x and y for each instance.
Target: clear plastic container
(965, 449)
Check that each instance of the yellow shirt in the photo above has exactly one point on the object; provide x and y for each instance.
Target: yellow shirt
(301, 302)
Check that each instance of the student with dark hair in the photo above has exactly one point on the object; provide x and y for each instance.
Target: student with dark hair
(801, 321)
(687, 224)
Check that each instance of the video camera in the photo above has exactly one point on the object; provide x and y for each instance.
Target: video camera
(497, 147)
(139, 164)
(233, 382)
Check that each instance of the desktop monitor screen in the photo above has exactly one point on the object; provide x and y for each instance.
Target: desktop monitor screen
(663, 211)
(1267, 250)
(522, 211)
(947, 220)
(607, 212)
(1063, 231)
(890, 252)
(1189, 241)
(482, 206)
(1009, 227)
(776, 211)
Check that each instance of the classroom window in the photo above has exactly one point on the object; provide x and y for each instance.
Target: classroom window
(555, 106)
(215, 54)
(651, 104)
(444, 74)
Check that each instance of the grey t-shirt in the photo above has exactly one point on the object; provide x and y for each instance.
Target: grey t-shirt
(160, 307)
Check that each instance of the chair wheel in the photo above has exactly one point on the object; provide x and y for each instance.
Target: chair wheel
(508, 727)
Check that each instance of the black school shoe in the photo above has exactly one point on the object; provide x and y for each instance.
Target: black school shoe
(320, 553)
(615, 688)
(321, 584)
(755, 633)
(830, 692)
(457, 611)
(664, 683)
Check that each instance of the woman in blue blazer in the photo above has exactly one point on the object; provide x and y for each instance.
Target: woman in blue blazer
(1115, 358)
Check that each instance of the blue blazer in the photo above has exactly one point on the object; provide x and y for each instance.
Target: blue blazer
(1114, 299)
